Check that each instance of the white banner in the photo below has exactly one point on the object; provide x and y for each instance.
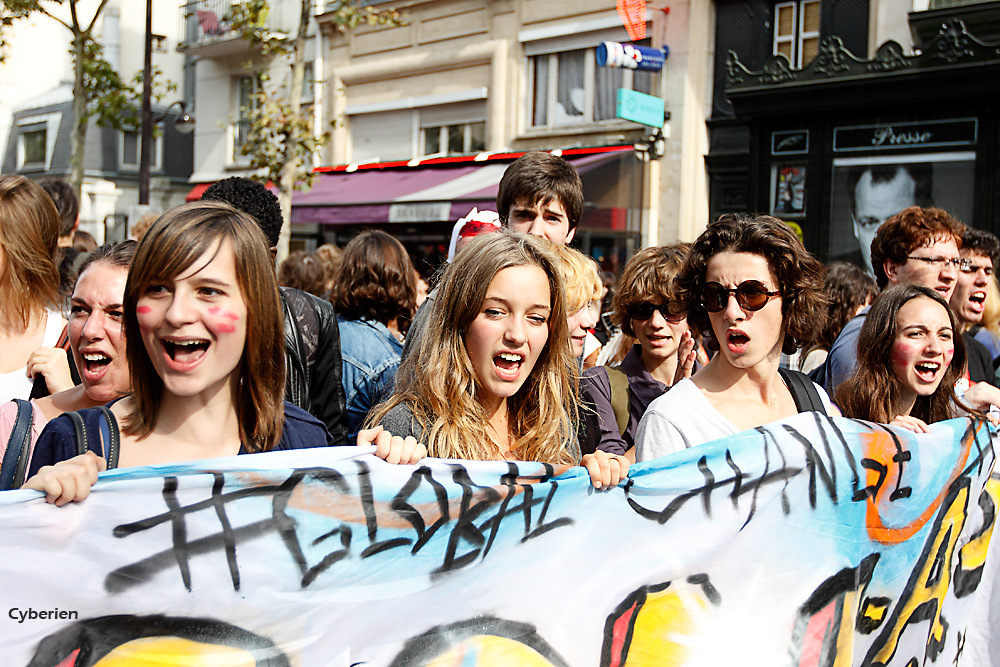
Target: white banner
(808, 542)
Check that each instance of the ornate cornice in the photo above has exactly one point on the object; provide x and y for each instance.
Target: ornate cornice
(953, 46)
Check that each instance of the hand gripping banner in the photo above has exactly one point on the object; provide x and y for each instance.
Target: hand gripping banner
(809, 542)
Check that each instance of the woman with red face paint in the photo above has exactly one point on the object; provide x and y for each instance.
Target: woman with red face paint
(750, 286)
(204, 342)
(909, 358)
(493, 377)
(98, 347)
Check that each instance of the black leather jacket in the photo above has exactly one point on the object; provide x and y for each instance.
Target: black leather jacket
(312, 361)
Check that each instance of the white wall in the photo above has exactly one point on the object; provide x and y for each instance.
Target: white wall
(38, 56)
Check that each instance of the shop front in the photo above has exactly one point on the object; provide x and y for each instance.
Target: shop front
(419, 202)
(842, 144)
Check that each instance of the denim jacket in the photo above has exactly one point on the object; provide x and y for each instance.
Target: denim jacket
(371, 357)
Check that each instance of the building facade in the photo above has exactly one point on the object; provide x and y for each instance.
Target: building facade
(36, 112)
(429, 114)
(871, 106)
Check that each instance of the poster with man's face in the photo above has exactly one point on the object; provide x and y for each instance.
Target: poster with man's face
(868, 190)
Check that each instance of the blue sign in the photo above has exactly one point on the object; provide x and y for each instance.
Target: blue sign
(631, 56)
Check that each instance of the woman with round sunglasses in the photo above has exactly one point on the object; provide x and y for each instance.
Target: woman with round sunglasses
(751, 287)
(644, 309)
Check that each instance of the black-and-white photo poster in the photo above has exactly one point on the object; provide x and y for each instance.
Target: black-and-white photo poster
(868, 190)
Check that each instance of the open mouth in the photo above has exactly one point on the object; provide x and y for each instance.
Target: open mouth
(508, 364)
(186, 351)
(927, 370)
(977, 299)
(738, 339)
(95, 362)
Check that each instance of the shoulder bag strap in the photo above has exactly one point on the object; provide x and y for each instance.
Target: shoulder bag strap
(81, 432)
(15, 458)
(803, 391)
(619, 397)
(114, 437)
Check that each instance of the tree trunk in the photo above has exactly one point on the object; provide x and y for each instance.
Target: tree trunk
(78, 134)
(291, 164)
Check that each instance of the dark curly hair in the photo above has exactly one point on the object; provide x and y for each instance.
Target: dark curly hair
(872, 392)
(799, 274)
(375, 280)
(647, 278)
(253, 199)
(911, 228)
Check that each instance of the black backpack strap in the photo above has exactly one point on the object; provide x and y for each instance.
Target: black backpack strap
(15, 458)
(619, 397)
(803, 391)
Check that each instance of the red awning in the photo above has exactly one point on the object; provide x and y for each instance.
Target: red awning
(197, 191)
(437, 193)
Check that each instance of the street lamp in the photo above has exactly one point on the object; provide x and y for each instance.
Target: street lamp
(184, 123)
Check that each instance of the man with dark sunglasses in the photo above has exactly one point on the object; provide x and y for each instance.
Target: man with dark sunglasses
(917, 246)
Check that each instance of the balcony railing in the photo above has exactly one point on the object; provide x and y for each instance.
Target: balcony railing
(205, 20)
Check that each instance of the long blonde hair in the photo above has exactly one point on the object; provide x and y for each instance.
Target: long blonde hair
(991, 308)
(582, 281)
(439, 385)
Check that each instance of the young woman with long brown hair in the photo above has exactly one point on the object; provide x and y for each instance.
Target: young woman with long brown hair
(204, 343)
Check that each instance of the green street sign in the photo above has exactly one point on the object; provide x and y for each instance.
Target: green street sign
(639, 107)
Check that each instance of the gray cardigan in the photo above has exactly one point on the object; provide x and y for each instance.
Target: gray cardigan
(400, 421)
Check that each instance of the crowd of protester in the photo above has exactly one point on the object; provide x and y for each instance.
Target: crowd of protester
(189, 343)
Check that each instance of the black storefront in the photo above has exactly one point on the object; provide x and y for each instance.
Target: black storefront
(833, 146)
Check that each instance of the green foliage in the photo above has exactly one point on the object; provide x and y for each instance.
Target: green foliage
(349, 14)
(115, 102)
(12, 11)
(279, 132)
(249, 19)
(273, 127)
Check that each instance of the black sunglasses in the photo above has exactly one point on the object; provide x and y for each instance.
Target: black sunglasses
(644, 311)
(750, 294)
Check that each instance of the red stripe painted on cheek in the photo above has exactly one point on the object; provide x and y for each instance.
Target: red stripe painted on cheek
(902, 353)
(142, 310)
(224, 327)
